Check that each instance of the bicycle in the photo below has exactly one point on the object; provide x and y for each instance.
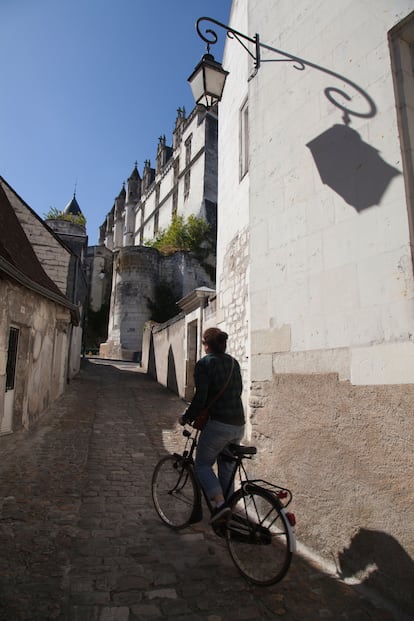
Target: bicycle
(259, 531)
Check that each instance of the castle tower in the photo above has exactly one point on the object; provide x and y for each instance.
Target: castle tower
(70, 227)
(133, 194)
(135, 274)
(109, 229)
(71, 230)
(119, 218)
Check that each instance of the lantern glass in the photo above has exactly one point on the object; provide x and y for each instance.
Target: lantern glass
(207, 81)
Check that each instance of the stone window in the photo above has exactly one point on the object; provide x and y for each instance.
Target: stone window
(175, 190)
(187, 144)
(186, 184)
(244, 139)
(157, 209)
(141, 232)
(188, 150)
(175, 202)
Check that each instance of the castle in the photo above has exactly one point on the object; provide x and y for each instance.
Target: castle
(183, 183)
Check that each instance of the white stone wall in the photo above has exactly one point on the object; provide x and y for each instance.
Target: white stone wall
(149, 211)
(340, 277)
(232, 313)
(233, 193)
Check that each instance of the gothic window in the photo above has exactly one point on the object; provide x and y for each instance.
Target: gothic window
(176, 169)
(186, 184)
(188, 150)
(141, 232)
(244, 139)
(187, 165)
(156, 218)
(175, 202)
(156, 212)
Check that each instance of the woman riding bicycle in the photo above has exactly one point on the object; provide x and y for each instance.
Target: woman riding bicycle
(217, 382)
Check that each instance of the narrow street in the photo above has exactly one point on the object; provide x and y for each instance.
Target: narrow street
(80, 540)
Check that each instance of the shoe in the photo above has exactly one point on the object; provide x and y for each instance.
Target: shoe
(220, 514)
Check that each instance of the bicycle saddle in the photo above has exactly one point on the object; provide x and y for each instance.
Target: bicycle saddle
(238, 449)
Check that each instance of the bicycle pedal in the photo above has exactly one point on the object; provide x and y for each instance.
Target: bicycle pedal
(219, 529)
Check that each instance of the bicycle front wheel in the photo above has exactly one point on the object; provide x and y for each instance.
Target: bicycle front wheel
(174, 492)
(258, 536)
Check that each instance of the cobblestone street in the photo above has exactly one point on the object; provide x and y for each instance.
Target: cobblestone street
(80, 540)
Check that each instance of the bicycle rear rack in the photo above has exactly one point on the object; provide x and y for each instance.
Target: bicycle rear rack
(283, 494)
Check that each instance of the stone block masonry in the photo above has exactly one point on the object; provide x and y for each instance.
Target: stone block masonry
(233, 298)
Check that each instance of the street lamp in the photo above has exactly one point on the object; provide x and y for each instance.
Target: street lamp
(207, 81)
(208, 78)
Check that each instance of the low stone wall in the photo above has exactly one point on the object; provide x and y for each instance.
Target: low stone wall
(163, 354)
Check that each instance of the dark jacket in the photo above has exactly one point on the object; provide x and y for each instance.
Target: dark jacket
(211, 374)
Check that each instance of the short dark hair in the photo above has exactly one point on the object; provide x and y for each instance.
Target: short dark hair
(216, 339)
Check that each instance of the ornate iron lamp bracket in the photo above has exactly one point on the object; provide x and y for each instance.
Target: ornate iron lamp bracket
(210, 37)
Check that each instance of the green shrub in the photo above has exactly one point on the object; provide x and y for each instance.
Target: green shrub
(191, 236)
(55, 214)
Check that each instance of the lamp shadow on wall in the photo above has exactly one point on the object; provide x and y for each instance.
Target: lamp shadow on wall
(347, 164)
(383, 566)
(351, 167)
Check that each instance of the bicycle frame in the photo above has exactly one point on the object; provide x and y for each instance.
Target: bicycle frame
(188, 459)
(281, 494)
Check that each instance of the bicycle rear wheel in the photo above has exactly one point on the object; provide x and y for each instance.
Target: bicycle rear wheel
(174, 492)
(258, 536)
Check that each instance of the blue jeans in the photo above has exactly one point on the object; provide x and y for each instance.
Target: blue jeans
(212, 441)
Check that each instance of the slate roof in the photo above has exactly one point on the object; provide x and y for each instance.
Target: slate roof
(18, 259)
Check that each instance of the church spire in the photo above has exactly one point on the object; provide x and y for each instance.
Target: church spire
(72, 208)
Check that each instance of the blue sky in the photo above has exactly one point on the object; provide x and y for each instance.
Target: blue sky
(88, 86)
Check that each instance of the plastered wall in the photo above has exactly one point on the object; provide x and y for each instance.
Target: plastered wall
(44, 329)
